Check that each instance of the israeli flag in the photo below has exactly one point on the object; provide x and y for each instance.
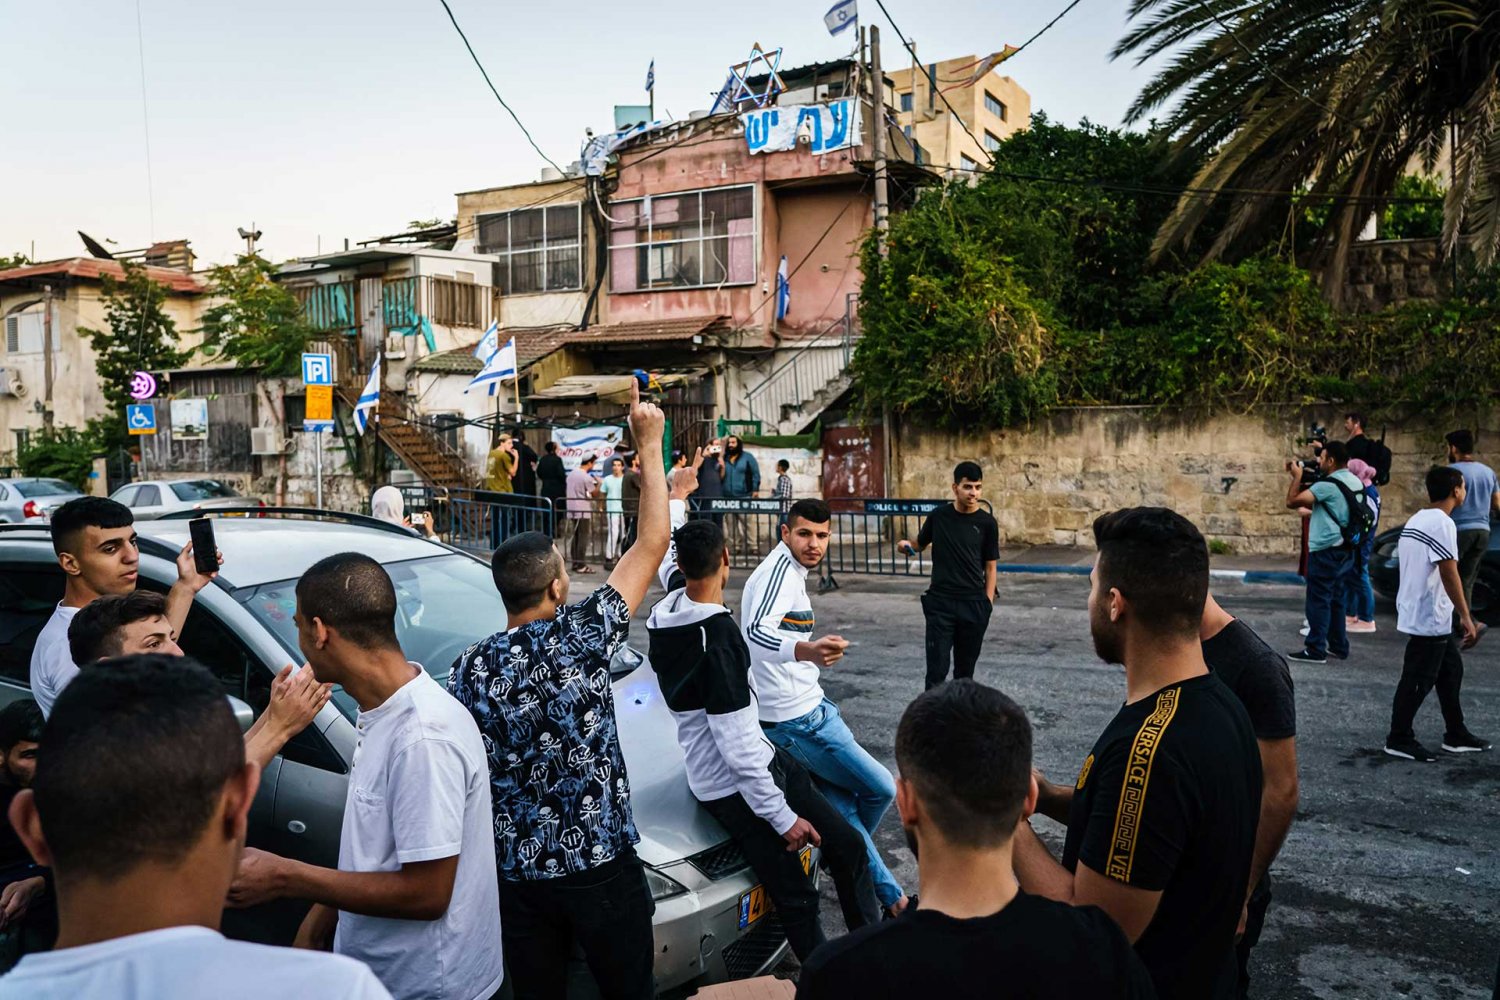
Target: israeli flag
(369, 400)
(651, 76)
(783, 290)
(841, 16)
(489, 343)
(724, 103)
(500, 366)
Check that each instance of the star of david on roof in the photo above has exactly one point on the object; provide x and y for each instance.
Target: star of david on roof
(742, 71)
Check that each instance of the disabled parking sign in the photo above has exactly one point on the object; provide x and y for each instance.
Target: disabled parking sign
(140, 418)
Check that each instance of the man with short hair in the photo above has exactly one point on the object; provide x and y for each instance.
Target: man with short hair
(136, 623)
(965, 542)
(612, 487)
(1472, 517)
(26, 909)
(540, 690)
(964, 751)
(582, 489)
(777, 618)
(1358, 445)
(1329, 560)
(502, 466)
(414, 894)
(1431, 598)
(1162, 819)
(95, 542)
(783, 490)
(761, 796)
(140, 807)
(554, 483)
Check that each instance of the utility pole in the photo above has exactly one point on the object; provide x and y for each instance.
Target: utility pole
(48, 374)
(877, 82)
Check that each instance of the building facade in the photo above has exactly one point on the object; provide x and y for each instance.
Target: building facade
(984, 112)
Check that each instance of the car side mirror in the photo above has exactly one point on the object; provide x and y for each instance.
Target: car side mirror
(243, 713)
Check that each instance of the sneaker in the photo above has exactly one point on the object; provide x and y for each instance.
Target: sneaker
(1465, 743)
(1306, 656)
(1409, 749)
(1338, 656)
(1357, 627)
(1304, 630)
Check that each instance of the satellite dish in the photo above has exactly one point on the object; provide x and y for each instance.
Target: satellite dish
(94, 247)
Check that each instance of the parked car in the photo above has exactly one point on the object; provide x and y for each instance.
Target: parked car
(32, 499)
(158, 497)
(1385, 573)
(710, 921)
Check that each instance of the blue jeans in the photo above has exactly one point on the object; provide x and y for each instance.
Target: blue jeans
(1359, 596)
(857, 785)
(1327, 573)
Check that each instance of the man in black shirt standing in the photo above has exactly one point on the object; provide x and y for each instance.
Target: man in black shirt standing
(965, 551)
(965, 756)
(1162, 819)
(1259, 677)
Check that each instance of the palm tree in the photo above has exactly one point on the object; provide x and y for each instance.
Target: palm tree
(1335, 97)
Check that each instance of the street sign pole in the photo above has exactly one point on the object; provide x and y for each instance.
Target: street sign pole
(318, 451)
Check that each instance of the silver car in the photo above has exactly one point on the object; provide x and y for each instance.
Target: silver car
(711, 921)
(32, 499)
(159, 497)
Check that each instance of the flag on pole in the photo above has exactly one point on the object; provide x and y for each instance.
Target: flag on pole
(783, 290)
(983, 66)
(489, 343)
(841, 16)
(724, 103)
(369, 400)
(500, 366)
(651, 76)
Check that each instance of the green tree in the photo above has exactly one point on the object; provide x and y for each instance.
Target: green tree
(139, 336)
(14, 260)
(67, 454)
(1337, 95)
(1409, 220)
(258, 323)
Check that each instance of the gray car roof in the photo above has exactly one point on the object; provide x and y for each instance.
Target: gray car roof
(265, 550)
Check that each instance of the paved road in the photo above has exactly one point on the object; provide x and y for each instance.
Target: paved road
(1389, 884)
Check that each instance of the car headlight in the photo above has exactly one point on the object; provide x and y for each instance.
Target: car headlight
(662, 886)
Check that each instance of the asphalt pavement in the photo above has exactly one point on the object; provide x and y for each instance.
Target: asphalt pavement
(1389, 883)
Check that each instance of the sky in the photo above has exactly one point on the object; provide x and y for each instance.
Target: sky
(321, 120)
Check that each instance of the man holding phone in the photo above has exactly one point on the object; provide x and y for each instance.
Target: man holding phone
(96, 546)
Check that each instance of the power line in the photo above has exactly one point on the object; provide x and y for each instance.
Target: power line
(880, 83)
(1045, 28)
(473, 55)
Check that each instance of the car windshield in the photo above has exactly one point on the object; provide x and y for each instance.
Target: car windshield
(444, 604)
(43, 488)
(202, 489)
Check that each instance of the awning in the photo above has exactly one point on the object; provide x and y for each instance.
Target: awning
(614, 388)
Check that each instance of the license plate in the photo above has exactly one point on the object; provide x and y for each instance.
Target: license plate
(757, 902)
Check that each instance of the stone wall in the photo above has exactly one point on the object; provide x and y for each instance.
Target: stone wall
(1224, 471)
(1389, 272)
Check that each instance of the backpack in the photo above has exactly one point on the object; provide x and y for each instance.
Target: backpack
(1380, 460)
(1360, 524)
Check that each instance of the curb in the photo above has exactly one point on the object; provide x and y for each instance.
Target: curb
(1233, 575)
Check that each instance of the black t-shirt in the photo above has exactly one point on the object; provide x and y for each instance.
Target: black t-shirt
(961, 545)
(1360, 447)
(1258, 676)
(523, 479)
(1034, 949)
(554, 476)
(1168, 801)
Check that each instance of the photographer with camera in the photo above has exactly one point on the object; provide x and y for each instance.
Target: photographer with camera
(1335, 498)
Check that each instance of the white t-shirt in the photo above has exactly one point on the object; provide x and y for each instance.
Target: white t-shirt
(187, 963)
(1422, 605)
(419, 790)
(52, 666)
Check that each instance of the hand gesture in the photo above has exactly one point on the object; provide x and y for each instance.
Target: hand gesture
(825, 652)
(686, 479)
(17, 897)
(187, 569)
(256, 880)
(647, 422)
(296, 699)
(800, 835)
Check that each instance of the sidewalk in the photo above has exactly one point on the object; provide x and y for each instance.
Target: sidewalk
(1068, 559)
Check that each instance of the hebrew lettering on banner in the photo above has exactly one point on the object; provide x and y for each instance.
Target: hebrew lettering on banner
(826, 127)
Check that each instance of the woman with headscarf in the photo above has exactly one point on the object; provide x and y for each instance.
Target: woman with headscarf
(1359, 596)
(388, 504)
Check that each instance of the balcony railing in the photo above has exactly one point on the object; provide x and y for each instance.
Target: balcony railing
(334, 307)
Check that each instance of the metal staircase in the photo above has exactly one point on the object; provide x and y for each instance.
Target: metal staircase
(796, 392)
(415, 441)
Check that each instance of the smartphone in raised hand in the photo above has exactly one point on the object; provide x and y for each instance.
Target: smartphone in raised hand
(205, 552)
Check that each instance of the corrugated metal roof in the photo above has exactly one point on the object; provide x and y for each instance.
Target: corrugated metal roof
(684, 328)
(531, 345)
(602, 386)
(96, 268)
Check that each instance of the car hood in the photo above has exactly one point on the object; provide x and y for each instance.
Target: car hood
(673, 825)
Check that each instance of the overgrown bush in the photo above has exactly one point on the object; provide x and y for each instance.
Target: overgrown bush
(67, 454)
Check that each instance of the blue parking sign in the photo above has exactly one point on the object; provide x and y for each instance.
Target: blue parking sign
(140, 418)
(317, 369)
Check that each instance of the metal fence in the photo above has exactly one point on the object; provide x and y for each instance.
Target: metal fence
(863, 539)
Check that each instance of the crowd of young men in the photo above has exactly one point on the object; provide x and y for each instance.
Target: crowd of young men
(488, 833)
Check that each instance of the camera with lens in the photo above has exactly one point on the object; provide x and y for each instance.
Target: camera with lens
(1317, 436)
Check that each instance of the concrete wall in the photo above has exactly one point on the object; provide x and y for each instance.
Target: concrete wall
(943, 139)
(1050, 481)
(76, 394)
